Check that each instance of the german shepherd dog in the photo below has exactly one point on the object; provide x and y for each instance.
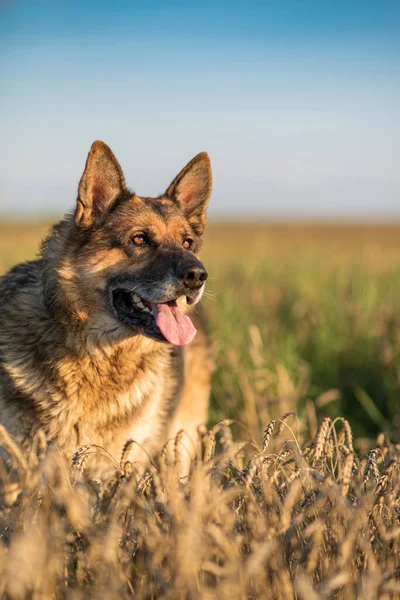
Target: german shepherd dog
(95, 333)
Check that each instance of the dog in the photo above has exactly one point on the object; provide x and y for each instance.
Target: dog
(96, 342)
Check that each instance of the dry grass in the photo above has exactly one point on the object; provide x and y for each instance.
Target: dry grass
(279, 521)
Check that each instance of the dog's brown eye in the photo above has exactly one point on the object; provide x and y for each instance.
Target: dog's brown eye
(139, 240)
(187, 244)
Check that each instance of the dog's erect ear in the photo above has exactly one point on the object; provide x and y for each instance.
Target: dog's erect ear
(101, 184)
(192, 189)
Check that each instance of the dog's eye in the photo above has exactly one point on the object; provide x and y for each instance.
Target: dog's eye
(139, 239)
(187, 244)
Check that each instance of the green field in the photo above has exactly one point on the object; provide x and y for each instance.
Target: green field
(305, 319)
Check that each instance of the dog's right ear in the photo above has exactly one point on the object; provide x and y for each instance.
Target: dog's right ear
(101, 184)
(192, 189)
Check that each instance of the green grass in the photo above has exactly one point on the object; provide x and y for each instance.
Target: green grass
(303, 318)
(296, 312)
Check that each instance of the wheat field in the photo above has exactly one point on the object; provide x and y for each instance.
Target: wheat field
(295, 490)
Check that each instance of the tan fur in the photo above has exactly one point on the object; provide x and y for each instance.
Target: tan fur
(67, 364)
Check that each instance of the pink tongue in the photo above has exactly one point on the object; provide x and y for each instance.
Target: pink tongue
(175, 327)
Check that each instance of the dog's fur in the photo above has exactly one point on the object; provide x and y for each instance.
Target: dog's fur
(74, 362)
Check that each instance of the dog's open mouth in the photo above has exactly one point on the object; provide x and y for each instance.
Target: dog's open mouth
(175, 327)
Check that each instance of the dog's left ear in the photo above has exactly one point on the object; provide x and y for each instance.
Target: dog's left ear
(101, 184)
(192, 190)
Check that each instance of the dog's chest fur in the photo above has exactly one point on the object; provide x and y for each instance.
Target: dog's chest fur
(110, 399)
(104, 396)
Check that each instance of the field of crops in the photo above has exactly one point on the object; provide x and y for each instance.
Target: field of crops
(286, 499)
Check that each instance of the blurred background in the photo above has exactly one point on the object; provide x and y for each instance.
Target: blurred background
(298, 104)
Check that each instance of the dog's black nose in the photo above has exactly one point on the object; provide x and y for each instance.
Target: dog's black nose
(194, 276)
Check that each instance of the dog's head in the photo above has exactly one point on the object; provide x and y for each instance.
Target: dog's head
(136, 257)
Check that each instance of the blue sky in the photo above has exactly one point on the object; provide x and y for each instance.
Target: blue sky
(297, 102)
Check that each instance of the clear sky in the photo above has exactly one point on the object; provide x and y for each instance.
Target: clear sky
(296, 101)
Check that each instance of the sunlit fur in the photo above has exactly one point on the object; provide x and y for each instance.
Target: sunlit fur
(68, 365)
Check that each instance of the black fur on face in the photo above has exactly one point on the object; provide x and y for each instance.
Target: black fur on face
(155, 279)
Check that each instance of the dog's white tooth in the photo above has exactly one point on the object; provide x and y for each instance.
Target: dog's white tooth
(136, 297)
(140, 304)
